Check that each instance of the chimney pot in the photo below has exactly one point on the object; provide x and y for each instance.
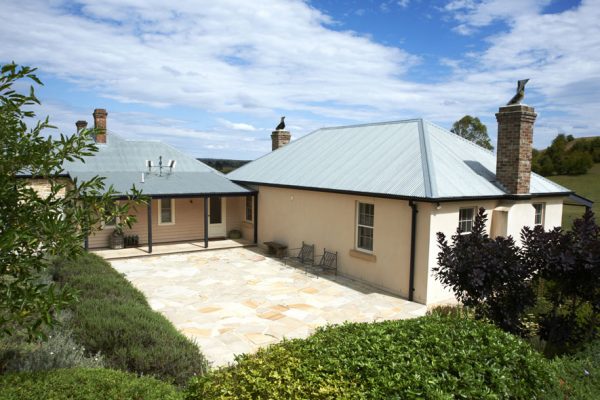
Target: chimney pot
(100, 124)
(280, 138)
(515, 138)
(80, 125)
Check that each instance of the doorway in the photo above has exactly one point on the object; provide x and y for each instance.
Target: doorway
(216, 217)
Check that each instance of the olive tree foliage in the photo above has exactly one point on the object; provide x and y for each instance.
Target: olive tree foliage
(471, 128)
(35, 226)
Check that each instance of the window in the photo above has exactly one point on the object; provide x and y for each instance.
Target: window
(465, 219)
(249, 205)
(540, 211)
(166, 212)
(364, 228)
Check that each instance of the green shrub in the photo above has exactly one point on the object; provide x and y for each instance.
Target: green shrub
(579, 375)
(431, 357)
(84, 384)
(114, 318)
(57, 349)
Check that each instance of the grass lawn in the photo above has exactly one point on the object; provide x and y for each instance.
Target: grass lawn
(587, 185)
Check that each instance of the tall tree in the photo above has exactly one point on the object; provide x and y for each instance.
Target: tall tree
(35, 225)
(471, 128)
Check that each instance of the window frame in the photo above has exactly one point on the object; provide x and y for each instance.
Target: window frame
(542, 216)
(460, 220)
(359, 225)
(251, 209)
(160, 202)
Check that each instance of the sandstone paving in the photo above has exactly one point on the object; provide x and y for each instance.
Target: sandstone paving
(233, 301)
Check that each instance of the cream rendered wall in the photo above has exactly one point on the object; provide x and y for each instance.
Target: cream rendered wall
(189, 224)
(445, 220)
(554, 211)
(235, 213)
(422, 249)
(328, 220)
(523, 214)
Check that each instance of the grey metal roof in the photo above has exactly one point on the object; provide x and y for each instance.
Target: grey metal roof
(122, 163)
(411, 158)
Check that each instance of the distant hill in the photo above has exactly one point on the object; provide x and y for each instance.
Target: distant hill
(567, 156)
(223, 165)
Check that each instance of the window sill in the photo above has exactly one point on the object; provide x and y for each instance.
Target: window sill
(247, 222)
(166, 223)
(363, 255)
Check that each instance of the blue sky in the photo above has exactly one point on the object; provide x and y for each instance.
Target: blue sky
(212, 78)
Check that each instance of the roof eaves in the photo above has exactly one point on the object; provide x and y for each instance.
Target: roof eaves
(407, 197)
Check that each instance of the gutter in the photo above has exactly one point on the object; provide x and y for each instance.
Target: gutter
(413, 245)
(528, 196)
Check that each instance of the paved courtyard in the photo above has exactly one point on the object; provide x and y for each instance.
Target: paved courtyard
(237, 300)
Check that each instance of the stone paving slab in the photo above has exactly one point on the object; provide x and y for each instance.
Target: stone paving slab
(235, 301)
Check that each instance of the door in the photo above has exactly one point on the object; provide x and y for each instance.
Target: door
(216, 217)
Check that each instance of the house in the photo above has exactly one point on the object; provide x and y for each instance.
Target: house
(378, 194)
(189, 200)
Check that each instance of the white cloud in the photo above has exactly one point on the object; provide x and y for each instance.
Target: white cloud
(259, 60)
(475, 14)
(238, 126)
(225, 56)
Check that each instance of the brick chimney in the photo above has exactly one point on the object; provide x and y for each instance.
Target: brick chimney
(280, 138)
(81, 125)
(100, 124)
(515, 136)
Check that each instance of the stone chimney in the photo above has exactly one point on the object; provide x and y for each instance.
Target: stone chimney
(280, 138)
(81, 125)
(515, 137)
(100, 124)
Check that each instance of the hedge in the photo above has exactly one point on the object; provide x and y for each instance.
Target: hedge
(579, 374)
(113, 318)
(432, 357)
(84, 384)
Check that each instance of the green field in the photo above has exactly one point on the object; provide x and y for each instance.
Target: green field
(587, 185)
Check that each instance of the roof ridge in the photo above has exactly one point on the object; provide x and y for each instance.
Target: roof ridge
(427, 161)
(373, 124)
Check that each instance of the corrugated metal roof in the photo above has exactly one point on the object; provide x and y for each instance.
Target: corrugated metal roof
(412, 158)
(122, 163)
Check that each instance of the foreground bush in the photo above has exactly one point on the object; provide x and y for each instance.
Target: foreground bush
(84, 384)
(57, 350)
(431, 357)
(579, 375)
(114, 318)
(547, 287)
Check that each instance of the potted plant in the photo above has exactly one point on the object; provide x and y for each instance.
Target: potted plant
(117, 239)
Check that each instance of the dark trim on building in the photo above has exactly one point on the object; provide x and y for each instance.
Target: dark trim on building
(206, 222)
(413, 245)
(255, 216)
(413, 198)
(576, 200)
(149, 225)
(190, 195)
